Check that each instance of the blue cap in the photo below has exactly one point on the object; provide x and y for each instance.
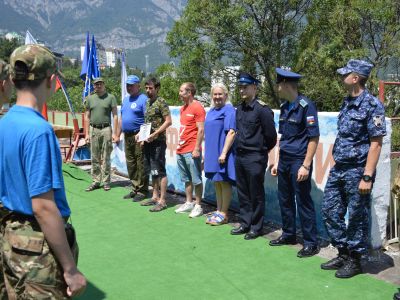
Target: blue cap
(245, 79)
(132, 79)
(284, 75)
(357, 66)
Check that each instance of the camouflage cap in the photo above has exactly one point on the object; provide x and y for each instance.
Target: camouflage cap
(40, 61)
(98, 79)
(4, 70)
(357, 66)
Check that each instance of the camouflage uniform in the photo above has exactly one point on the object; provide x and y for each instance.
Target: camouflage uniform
(360, 119)
(154, 152)
(30, 268)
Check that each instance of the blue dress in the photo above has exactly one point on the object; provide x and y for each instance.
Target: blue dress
(217, 124)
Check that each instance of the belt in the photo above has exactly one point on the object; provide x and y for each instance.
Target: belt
(131, 132)
(100, 126)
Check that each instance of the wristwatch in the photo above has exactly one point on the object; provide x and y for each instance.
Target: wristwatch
(367, 178)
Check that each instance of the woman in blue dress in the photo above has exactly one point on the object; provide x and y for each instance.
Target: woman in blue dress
(219, 134)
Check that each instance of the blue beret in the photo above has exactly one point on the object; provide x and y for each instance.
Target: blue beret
(286, 75)
(357, 66)
(246, 78)
(132, 79)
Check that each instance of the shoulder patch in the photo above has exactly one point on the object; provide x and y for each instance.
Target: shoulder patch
(261, 102)
(378, 120)
(303, 103)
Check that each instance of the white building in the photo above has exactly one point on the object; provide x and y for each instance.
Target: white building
(107, 57)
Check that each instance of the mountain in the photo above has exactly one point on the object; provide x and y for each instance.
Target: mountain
(138, 26)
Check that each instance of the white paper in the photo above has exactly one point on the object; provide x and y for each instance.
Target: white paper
(144, 132)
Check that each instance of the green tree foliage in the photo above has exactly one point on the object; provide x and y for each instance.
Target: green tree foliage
(7, 47)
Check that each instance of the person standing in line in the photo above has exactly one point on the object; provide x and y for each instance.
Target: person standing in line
(132, 117)
(255, 137)
(159, 116)
(361, 127)
(298, 126)
(191, 134)
(99, 108)
(219, 159)
(37, 254)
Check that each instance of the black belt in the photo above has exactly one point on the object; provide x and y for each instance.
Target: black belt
(100, 126)
(131, 132)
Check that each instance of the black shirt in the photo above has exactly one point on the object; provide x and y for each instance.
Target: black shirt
(255, 127)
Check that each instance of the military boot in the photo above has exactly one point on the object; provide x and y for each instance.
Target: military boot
(337, 262)
(351, 267)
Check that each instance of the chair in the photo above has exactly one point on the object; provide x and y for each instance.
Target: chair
(64, 135)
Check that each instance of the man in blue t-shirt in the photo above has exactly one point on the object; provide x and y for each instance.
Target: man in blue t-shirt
(37, 259)
(132, 117)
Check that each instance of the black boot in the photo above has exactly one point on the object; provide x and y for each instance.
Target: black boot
(337, 262)
(351, 267)
(396, 296)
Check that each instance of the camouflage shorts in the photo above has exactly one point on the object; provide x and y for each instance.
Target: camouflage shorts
(30, 268)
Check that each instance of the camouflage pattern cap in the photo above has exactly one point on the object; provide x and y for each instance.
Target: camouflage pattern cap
(4, 70)
(357, 66)
(40, 61)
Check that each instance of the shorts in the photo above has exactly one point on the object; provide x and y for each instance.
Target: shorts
(154, 158)
(189, 168)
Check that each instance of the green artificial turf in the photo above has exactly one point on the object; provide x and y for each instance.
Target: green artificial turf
(127, 252)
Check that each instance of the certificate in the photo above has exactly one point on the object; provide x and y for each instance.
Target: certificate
(144, 132)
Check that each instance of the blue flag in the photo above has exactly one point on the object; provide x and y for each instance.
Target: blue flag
(93, 70)
(85, 59)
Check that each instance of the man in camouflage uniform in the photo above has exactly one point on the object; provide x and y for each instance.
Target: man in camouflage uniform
(37, 259)
(5, 87)
(361, 127)
(99, 107)
(158, 114)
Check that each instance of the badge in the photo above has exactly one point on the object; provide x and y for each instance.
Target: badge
(378, 121)
(133, 105)
(310, 120)
(303, 103)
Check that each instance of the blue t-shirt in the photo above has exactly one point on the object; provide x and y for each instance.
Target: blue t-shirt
(30, 161)
(217, 124)
(132, 112)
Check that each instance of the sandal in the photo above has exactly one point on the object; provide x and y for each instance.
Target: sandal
(106, 187)
(158, 207)
(210, 216)
(149, 202)
(92, 187)
(218, 219)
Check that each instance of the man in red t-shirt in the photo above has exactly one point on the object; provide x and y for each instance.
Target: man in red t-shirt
(191, 134)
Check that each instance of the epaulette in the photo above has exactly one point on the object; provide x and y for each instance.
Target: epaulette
(261, 102)
(373, 101)
(303, 103)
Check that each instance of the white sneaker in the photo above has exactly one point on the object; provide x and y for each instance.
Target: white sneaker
(186, 207)
(196, 212)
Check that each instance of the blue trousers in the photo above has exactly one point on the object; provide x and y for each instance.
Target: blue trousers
(290, 193)
(341, 196)
(250, 171)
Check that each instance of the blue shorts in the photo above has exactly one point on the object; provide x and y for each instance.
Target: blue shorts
(189, 168)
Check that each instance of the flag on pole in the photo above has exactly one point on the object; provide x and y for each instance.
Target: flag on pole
(93, 70)
(124, 92)
(85, 58)
(29, 39)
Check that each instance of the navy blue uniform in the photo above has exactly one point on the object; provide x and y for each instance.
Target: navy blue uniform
(360, 119)
(255, 136)
(298, 122)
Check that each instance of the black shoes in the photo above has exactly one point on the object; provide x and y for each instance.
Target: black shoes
(351, 267)
(282, 240)
(335, 263)
(396, 296)
(251, 235)
(308, 251)
(130, 195)
(239, 230)
(139, 197)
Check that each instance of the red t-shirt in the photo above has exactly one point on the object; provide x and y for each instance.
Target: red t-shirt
(190, 115)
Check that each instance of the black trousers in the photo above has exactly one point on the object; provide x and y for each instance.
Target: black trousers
(250, 171)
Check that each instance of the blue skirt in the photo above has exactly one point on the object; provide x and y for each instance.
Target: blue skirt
(215, 177)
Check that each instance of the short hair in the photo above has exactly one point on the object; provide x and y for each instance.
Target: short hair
(190, 87)
(154, 81)
(21, 68)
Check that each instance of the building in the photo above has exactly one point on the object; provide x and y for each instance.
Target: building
(107, 57)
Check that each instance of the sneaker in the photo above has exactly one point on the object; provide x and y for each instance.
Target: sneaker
(197, 211)
(186, 207)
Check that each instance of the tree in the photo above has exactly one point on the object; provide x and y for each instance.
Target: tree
(7, 47)
(256, 34)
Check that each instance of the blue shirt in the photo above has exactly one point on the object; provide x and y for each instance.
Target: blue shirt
(132, 112)
(360, 119)
(298, 122)
(30, 161)
(217, 124)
